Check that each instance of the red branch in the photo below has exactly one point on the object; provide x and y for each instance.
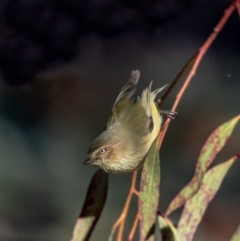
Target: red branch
(200, 55)
(120, 223)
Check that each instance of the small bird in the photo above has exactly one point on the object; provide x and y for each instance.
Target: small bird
(131, 129)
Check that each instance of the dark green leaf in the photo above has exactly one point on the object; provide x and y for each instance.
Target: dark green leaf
(92, 208)
(169, 232)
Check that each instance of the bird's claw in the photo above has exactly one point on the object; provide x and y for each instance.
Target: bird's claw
(169, 113)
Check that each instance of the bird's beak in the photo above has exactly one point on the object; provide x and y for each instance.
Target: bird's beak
(89, 161)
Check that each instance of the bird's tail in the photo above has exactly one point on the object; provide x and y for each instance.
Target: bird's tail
(147, 97)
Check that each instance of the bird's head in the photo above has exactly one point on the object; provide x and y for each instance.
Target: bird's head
(104, 152)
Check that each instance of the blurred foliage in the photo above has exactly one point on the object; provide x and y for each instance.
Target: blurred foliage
(92, 208)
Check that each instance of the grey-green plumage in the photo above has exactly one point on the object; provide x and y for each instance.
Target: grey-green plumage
(132, 127)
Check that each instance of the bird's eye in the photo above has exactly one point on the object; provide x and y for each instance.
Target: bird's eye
(102, 151)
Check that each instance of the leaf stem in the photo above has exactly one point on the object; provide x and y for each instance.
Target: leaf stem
(122, 218)
(135, 223)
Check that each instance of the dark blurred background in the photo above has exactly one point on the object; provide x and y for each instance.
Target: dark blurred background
(63, 63)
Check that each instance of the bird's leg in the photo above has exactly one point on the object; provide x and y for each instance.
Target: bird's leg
(169, 113)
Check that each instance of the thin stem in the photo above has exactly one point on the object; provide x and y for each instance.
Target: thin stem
(126, 206)
(122, 218)
(176, 80)
(199, 57)
(238, 7)
(136, 192)
(134, 227)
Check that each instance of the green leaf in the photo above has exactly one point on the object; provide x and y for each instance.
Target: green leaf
(195, 207)
(211, 148)
(92, 208)
(236, 235)
(149, 194)
(169, 232)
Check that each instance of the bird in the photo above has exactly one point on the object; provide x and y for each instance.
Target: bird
(132, 127)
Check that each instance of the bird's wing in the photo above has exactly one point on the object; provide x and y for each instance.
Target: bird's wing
(129, 88)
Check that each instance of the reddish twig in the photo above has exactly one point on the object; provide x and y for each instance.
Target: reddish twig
(237, 4)
(134, 227)
(122, 218)
(200, 55)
